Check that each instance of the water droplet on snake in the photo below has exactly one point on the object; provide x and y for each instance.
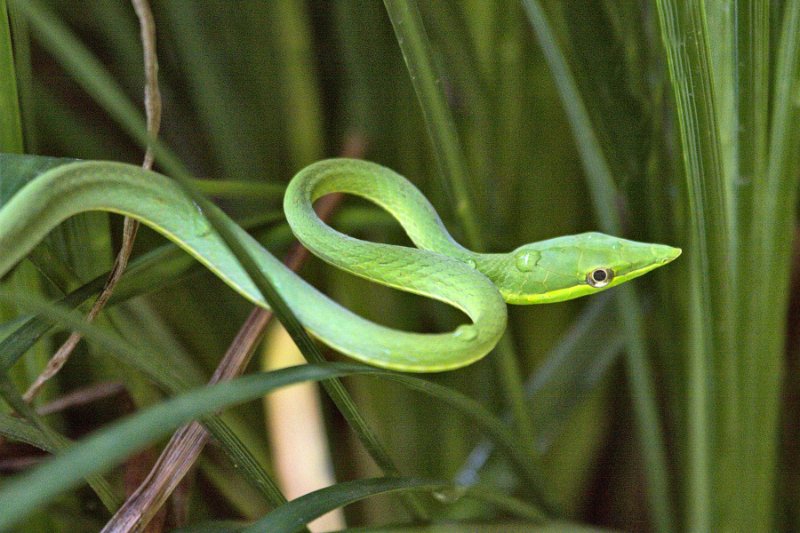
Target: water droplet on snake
(472, 263)
(525, 261)
(465, 332)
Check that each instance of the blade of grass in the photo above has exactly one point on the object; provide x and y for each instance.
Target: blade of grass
(299, 512)
(774, 215)
(555, 390)
(10, 120)
(165, 375)
(19, 430)
(24, 75)
(751, 59)
(222, 116)
(54, 441)
(685, 36)
(89, 73)
(301, 98)
(106, 447)
(603, 192)
(413, 42)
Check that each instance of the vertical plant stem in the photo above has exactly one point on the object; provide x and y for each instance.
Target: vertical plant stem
(10, 120)
(603, 192)
(685, 36)
(416, 48)
(774, 204)
(152, 104)
(752, 61)
(300, 94)
(413, 41)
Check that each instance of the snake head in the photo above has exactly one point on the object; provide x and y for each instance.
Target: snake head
(573, 266)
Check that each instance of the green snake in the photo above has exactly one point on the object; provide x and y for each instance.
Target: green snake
(478, 284)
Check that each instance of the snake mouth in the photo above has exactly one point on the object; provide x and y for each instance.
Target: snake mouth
(667, 254)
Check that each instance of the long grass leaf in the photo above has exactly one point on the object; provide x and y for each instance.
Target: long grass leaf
(412, 38)
(163, 374)
(16, 429)
(52, 440)
(299, 512)
(110, 445)
(407, 22)
(301, 97)
(10, 118)
(556, 390)
(603, 191)
(769, 258)
(685, 36)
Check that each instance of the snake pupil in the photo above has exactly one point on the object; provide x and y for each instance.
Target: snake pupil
(599, 277)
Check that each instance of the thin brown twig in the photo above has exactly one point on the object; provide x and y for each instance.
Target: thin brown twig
(20, 464)
(81, 397)
(185, 446)
(152, 103)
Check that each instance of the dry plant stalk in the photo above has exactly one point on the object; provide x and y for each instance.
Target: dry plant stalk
(152, 104)
(185, 446)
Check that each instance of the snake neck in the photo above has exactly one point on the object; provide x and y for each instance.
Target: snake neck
(490, 265)
(501, 268)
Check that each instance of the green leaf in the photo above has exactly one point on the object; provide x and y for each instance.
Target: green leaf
(604, 193)
(10, 120)
(294, 515)
(108, 446)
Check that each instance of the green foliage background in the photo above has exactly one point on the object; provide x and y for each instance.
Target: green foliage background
(669, 121)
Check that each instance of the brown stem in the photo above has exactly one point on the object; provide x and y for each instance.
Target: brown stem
(152, 103)
(185, 446)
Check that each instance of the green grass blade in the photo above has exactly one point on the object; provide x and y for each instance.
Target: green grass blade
(299, 512)
(534, 481)
(770, 257)
(752, 105)
(170, 377)
(24, 75)
(89, 73)
(104, 449)
(413, 41)
(556, 390)
(110, 445)
(687, 39)
(603, 192)
(76, 58)
(52, 440)
(10, 119)
(300, 94)
(16, 429)
(410, 31)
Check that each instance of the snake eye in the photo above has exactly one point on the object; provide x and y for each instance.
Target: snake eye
(599, 277)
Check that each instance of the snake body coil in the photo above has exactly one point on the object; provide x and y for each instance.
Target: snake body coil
(440, 268)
